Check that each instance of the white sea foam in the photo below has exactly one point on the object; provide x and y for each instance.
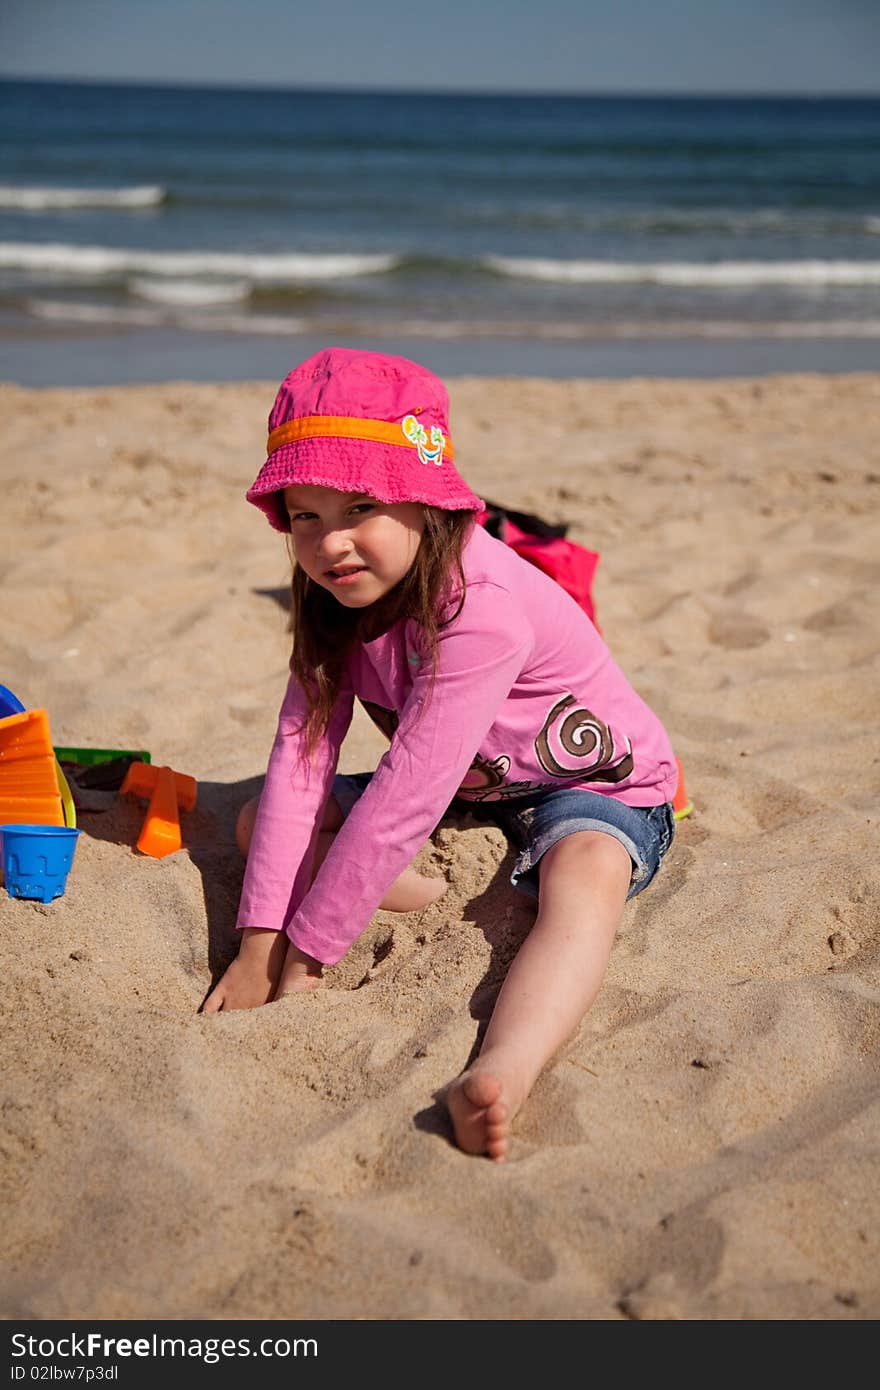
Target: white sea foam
(43, 199)
(66, 311)
(102, 261)
(637, 330)
(119, 316)
(195, 293)
(723, 328)
(731, 274)
(62, 311)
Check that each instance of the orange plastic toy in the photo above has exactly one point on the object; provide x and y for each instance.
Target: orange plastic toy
(167, 791)
(681, 807)
(29, 790)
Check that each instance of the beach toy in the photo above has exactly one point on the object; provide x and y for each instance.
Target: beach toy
(93, 757)
(68, 804)
(167, 791)
(10, 704)
(92, 770)
(36, 859)
(30, 789)
(681, 807)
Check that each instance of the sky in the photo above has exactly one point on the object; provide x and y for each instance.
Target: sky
(813, 47)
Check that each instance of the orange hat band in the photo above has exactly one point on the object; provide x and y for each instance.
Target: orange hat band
(409, 434)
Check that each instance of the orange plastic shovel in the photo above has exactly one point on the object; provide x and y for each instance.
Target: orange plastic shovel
(167, 791)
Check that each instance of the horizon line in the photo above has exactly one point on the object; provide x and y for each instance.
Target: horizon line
(331, 89)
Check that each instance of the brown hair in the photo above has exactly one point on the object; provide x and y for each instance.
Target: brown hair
(324, 631)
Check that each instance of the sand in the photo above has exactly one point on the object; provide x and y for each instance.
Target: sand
(707, 1145)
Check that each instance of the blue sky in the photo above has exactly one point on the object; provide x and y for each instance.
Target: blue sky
(670, 46)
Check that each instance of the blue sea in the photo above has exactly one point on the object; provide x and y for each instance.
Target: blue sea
(149, 233)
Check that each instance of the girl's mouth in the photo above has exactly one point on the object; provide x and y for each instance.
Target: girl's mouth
(345, 576)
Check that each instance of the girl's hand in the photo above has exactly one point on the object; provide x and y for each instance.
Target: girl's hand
(300, 972)
(253, 975)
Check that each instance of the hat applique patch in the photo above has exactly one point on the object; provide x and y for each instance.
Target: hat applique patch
(418, 435)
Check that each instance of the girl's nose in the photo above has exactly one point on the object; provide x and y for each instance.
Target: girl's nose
(335, 542)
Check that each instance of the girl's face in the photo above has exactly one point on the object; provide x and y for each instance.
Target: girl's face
(351, 544)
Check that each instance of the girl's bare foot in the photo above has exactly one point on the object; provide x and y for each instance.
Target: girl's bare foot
(301, 972)
(483, 1103)
(252, 977)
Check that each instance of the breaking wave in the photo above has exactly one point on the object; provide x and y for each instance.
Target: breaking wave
(32, 199)
(103, 261)
(689, 274)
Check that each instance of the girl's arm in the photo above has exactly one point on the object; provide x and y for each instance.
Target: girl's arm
(285, 833)
(480, 656)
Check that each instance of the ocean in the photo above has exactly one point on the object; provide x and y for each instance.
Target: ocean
(150, 233)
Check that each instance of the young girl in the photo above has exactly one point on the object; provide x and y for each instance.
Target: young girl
(494, 688)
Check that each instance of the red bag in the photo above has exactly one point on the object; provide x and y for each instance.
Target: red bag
(544, 545)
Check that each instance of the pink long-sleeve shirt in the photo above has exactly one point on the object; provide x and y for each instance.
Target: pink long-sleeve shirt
(527, 698)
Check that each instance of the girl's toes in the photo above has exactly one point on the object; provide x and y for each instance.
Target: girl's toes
(496, 1148)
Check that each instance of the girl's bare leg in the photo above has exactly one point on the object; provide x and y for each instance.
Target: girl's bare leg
(584, 880)
(267, 964)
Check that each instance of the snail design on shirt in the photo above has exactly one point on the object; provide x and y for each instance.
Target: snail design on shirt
(485, 781)
(484, 775)
(576, 742)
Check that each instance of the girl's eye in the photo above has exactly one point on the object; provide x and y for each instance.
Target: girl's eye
(311, 516)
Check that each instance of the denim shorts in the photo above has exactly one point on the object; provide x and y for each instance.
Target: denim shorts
(535, 823)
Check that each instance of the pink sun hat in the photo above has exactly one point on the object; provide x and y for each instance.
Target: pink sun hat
(361, 422)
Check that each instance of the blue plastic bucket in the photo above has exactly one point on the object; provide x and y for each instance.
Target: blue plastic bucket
(36, 859)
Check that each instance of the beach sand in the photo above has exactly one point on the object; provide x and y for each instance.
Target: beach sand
(707, 1145)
